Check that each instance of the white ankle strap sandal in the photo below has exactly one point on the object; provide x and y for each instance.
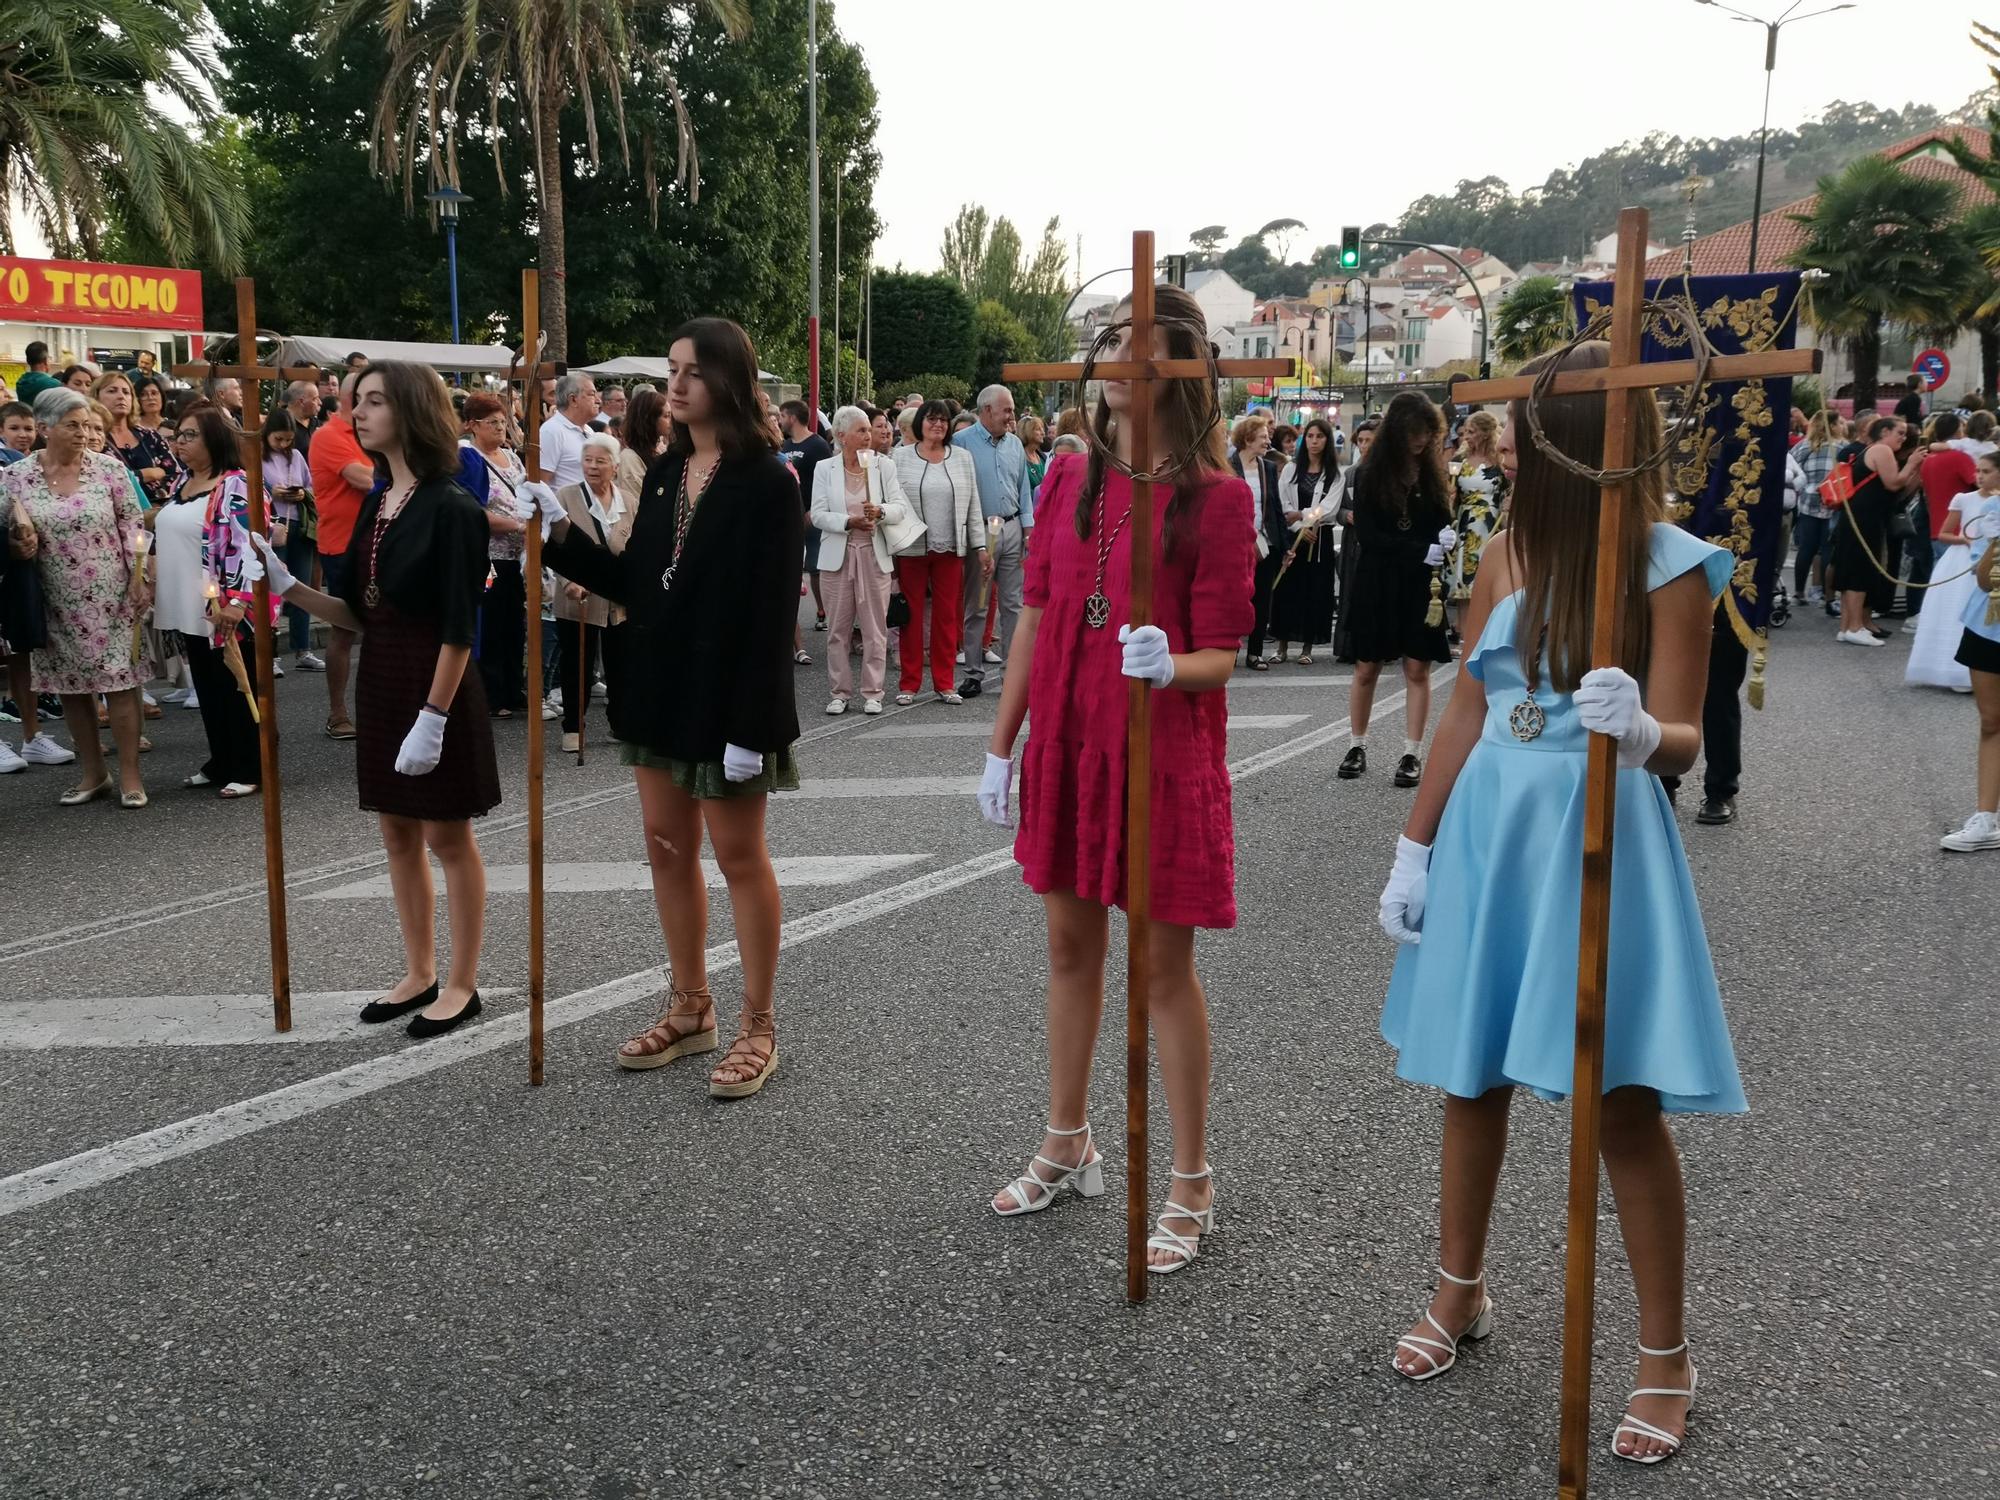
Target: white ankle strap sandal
(1033, 1192)
(1441, 1352)
(1638, 1428)
(1185, 1249)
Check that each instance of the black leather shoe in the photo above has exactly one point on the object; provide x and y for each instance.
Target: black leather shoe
(375, 1012)
(1409, 771)
(1716, 810)
(969, 688)
(1353, 763)
(422, 1027)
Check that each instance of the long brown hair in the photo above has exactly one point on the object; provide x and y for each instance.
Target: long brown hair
(1391, 471)
(426, 426)
(1188, 423)
(1552, 529)
(729, 369)
(645, 423)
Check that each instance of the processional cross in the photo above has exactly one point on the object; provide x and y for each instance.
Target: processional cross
(263, 707)
(1624, 382)
(1142, 369)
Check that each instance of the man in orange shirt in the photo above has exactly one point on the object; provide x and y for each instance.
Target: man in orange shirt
(342, 477)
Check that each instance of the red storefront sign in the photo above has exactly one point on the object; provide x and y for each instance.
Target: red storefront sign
(85, 293)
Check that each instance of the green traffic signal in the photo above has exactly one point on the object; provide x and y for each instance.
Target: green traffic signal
(1350, 246)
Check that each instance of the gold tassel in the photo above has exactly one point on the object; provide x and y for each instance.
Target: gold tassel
(1756, 689)
(1434, 616)
(1992, 562)
(1993, 604)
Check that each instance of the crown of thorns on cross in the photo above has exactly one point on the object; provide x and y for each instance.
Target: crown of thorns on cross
(1174, 465)
(1682, 310)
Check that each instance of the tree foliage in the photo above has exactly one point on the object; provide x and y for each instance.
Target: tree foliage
(1892, 254)
(984, 256)
(998, 339)
(922, 322)
(85, 146)
(1533, 318)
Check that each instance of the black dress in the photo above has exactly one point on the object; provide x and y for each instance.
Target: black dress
(431, 569)
(1855, 557)
(707, 660)
(1383, 612)
(1303, 600)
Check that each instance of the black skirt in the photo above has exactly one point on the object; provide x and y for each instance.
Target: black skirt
(1303, 600)
(398, 658)
(1382, 612)
(1977, 653)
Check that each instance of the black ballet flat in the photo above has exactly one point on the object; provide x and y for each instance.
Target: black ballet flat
(423, 1027)
(375, 1012)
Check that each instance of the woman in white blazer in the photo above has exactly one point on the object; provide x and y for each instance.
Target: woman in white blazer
(858, 506)
(1311, 492)
(943, 492)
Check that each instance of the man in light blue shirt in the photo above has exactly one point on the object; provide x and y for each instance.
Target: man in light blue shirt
(1006, 499)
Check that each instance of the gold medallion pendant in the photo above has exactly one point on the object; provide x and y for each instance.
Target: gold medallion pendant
(1528, 720)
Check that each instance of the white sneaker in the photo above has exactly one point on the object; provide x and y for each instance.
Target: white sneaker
(1910, 625)
(550, 711)
(837, 706)
(991, 658)
(191, 700)
(871, 705)
(960, 658)
(309, 661)
(277, 667)
(175, 695)
(148, 699)
(1981, 831)
(10, 760)
(1857, 638)
(43, 751)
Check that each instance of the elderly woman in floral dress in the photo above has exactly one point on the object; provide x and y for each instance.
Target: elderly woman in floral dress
(77, 512)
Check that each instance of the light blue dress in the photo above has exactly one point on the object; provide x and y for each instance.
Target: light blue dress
(1489, 996)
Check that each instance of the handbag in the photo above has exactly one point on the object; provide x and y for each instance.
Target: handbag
(899, 611)
(1903, 524)
(1838, 487)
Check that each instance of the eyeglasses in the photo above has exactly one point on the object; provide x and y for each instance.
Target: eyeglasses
(187, 434)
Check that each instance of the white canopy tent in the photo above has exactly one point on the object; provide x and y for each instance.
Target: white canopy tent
(645, 367)
(331, 353)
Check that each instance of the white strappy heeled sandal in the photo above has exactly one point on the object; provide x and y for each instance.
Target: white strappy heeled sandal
(1184, 1248)
(1034, 1192)
(1444, 1344)
(1644, 1429)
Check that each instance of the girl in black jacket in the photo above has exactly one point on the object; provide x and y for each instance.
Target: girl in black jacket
(706, 714)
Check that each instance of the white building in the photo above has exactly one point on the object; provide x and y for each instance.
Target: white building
(1224, 300)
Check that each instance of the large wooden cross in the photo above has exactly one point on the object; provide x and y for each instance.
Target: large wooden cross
(531, 374)
(1142, 369)
(1624, 382)
(264, 706)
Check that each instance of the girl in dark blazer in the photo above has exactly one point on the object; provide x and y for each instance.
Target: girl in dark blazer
(705, 713)
(1257, 466)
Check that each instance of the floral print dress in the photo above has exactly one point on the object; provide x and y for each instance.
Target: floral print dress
(86, 561)
(1482, 499)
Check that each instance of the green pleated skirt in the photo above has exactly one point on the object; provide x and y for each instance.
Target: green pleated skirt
(705, 781)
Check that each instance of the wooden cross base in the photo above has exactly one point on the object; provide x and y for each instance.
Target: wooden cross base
(1142, 368)
(1623, 381)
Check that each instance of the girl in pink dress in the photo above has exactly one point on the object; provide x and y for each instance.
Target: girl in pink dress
(1072, 658)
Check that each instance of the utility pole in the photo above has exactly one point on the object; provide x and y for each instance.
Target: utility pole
(812, 189)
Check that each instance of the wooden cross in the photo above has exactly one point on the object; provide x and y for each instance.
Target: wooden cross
(265, 707)
(1142, 369)
(1625, 381)
(531, 432)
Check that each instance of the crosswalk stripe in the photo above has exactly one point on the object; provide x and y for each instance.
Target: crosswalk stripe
(964, 731)
(794, 871)
(187, 1020)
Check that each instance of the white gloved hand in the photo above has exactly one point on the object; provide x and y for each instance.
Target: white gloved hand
(423, 746)
(1448, 539)
(523, 507)
(546, 504)
(1146, 655)
(1402, 905)
(260, 561)
(739, 764)
(1436, 556)
(1608, 702)
(994, 788)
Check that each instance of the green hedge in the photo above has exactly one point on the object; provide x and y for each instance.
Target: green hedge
(934, 386)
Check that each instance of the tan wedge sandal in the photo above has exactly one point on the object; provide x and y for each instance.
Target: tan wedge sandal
(677, 1033)
(743, 1053)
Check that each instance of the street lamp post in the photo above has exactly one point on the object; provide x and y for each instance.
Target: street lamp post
(1771, 29)
(448, 199)
(1485, 329)
(1367, 332)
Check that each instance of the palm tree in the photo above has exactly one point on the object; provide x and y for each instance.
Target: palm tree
(1534, 318)
(1980, 308)
(535, 56)
(83, 140)
(1892, 252)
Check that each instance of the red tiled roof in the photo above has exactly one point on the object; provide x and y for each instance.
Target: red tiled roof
(1727, 251)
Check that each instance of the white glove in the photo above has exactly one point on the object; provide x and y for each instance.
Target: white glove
(546, 503)
(1146, 655)
(739, 764)
(523, 506)
(260, 561)
(1402, 906)
(423, 746)
(994, 788)
(1447, 539)
(1608, 702)
(1436, 556)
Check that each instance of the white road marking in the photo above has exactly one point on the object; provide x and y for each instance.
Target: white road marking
(963, 731)
(185, 1020)
(1279, 677)
(794, 871)
(1266, 721)
(102, 1164)
(826, 787)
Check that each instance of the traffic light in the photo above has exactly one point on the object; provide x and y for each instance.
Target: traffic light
(1350, 246)
(1176, 270)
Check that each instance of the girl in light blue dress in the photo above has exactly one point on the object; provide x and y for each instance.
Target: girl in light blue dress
(1486, 894)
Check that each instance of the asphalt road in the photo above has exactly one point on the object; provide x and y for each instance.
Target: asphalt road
(236, 1265)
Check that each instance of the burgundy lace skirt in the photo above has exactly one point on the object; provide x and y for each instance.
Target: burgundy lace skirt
(398, 657)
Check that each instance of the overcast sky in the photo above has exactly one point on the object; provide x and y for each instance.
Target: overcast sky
(1249, 113)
